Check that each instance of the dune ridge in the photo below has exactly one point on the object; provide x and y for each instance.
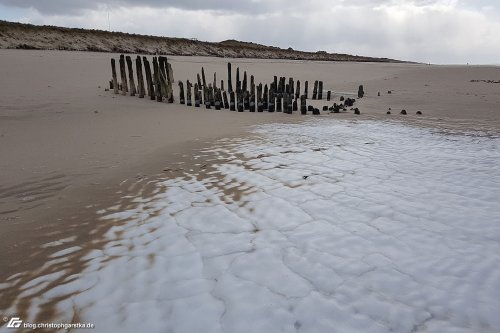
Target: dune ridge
(28, 36)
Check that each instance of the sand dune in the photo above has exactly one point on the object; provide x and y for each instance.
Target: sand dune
(27, 36)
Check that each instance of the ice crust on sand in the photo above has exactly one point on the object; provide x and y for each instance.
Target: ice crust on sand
(338, 227)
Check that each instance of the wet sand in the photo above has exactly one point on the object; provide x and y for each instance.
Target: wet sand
(69, 148)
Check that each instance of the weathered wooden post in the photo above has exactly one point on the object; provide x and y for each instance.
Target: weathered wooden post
(265, 98)
(306, 84)
(188, 94)
(328, 95)
(123, 75)
(170, 73)
(113, 73)
(297, 91)
(303, 107)
(218, 99)
(232, 103)
(215, 80)
(245, 88)
(285, 102)
(295, 106)
(229, 79)
(226, 103)
(260, 105)
(320, 90)
(198, 80)
(203, 77)
(156, 76)
(238, 82)
(291, 86)
(252, 103)
(271, 107)
(278, 102)
(361, 92)
(165, 77)
(222, 85)
(246, 100)
(140, 78)
(149, 78)
(181, 93)
(206, 97)
(315, 90)
(211, 95)
(196, 96)
(169, 79)
(252, 85)
(240, 102)
(162, 76)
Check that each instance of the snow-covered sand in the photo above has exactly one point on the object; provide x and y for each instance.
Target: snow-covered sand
(325, 226)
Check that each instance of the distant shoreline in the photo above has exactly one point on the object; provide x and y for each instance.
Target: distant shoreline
(27, 36)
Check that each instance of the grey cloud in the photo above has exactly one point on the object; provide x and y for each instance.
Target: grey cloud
(64, 7)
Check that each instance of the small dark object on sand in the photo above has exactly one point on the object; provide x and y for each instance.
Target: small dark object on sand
(403, 112)
(389, 92)
(378, 94)
(316, 112)
(341, 98)
(356, 111)
(349, 102)
(388, 112)
(310, 108)
(419, 113)
(325, 107)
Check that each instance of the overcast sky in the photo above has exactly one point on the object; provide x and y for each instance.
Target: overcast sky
(436, 31)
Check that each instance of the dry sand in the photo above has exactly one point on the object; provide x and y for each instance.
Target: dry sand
(66, 144)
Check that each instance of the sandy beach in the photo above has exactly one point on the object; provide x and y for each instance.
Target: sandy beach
(77, 161)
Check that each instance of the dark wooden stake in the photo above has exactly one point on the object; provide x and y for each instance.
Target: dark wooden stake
(188, 93)
(226, 103)
(203, 77)
(113, 73)
(140, 78)
(196, 95)
(240, 102)
(229, 79)
(181, 93)
(306, 90)
(198, 80)
(238, 82)
(303, 106)
(123, 75)
(156, 76)
(265, 98)
(361, 92)
(133, 90)
(315, 90)
(149, 79)
(245, 81)
(320, 90)
(232, 103)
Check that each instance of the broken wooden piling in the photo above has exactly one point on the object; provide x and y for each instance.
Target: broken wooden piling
(229, 79)
(133, 89)
(181, 93)
(123, 75)
(113, 74)
(188, 93)
(140, 78)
